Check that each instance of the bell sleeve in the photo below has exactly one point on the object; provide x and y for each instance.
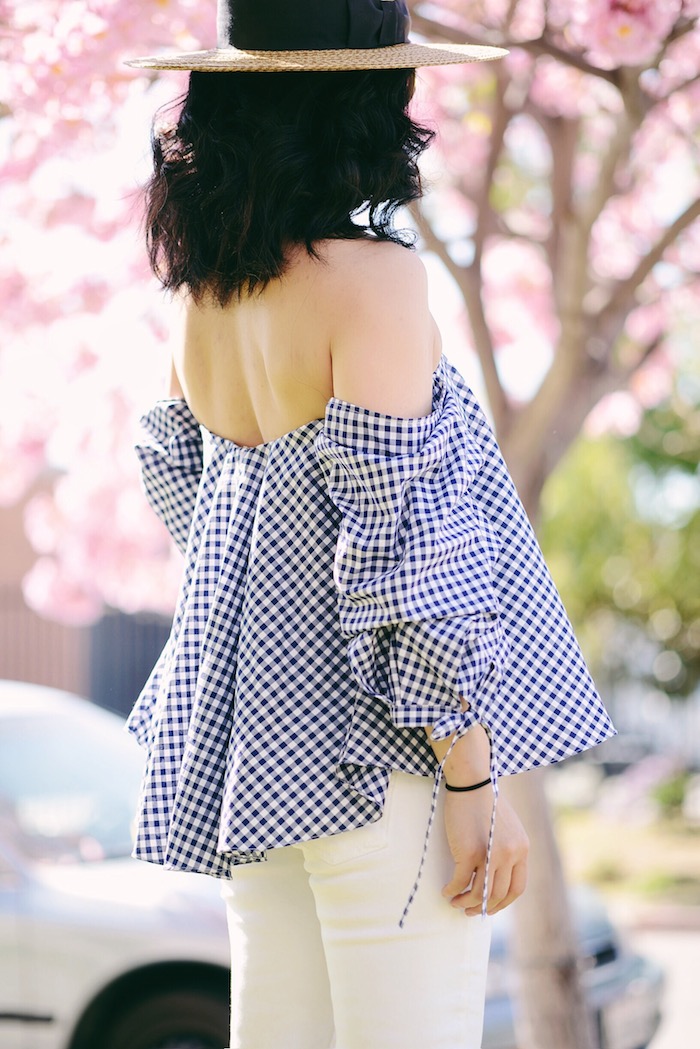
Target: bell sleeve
(170, 450)
(414, 563)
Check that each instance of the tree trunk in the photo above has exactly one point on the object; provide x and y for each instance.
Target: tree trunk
(550, 1007)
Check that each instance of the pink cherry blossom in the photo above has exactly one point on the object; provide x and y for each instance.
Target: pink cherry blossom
(110, 548)
(622, 32)
(528, 21)
(653, 383)
(22, 460)
(647, 323)
(518, 294)
(50, 590)
(560, 90)
(619, 413)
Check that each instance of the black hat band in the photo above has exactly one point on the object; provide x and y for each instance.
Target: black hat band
(311, 25)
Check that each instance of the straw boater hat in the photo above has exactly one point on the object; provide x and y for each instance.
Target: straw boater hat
(268, 36)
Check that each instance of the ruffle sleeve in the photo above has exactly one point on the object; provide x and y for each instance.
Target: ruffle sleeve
(170, 450)
(443, 594)
(414, 562)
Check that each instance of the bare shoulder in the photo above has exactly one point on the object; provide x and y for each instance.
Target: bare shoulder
(383, 339)
(370, 267)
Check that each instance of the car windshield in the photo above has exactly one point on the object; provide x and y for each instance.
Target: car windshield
(69, 783)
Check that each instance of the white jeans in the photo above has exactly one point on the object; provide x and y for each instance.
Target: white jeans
(319, 960)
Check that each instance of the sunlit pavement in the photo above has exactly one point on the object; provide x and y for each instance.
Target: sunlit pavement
(672, 939)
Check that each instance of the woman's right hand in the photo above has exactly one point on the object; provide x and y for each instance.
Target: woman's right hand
(467, 823)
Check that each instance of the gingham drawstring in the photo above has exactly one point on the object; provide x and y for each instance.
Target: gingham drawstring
(493, 772)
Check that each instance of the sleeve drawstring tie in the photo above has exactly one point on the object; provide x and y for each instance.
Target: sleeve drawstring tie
(440, 732)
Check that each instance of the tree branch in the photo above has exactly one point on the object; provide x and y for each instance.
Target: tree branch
(562, 136)
(468, 284)
(620, 377)
(543, 46)
(571, 272)
(617, 147)
(624, 291)
(510, 14)
(564, 424)
(501, 227)
(482, 199)
(681, 28)
(533, 429)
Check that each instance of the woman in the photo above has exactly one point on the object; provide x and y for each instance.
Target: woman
(365, 614)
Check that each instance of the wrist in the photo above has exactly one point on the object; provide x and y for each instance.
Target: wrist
(466, 760)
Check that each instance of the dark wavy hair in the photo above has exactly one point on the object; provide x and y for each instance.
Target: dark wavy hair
(259, 162)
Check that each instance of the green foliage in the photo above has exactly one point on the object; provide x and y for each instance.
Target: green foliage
(671, 793)
(669, 437)
(622, 536)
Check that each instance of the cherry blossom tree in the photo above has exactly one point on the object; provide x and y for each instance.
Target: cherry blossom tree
(79, 310)
(566, 211)
(564, 208)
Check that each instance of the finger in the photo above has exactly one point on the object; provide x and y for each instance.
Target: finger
(517, 886)
(462, 881)
(500, 886)
(471, 896)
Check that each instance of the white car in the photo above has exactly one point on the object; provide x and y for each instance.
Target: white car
(100, 951)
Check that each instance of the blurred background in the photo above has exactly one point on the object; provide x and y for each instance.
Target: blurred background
(561, 230)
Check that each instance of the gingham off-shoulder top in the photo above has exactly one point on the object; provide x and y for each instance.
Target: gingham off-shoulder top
(344, 585)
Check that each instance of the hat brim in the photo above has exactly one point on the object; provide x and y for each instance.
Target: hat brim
(398, 56)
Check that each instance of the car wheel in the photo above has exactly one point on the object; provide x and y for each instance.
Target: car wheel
(172, 1020)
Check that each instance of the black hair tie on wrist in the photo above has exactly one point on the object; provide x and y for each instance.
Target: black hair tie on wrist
(462, 790)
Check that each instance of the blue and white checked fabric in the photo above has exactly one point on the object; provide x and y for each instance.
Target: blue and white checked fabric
(344, 585)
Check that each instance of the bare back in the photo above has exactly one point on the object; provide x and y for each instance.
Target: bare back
(264, 366)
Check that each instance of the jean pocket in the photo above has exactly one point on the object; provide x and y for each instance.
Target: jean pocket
(354, 844)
